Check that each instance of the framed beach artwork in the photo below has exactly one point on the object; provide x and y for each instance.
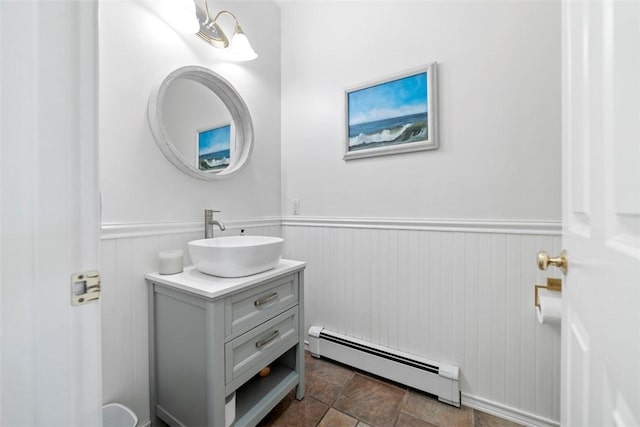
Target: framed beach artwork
(392, 115)
(214, 148)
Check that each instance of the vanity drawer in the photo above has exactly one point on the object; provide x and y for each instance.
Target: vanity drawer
(246, 355)
(248, 309)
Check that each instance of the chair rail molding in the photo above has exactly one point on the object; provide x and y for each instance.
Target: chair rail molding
(125, 230)
(537, 227)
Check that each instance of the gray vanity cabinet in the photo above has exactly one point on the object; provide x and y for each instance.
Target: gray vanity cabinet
(210, 337)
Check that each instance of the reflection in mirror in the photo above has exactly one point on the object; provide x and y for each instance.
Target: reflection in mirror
(201, 123)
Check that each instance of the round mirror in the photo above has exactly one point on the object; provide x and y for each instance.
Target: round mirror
(201, 123)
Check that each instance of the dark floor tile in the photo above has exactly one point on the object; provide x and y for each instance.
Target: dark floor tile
(335, 418)
(337, 395)
(482, 419)
(372, 401)
(326, 370)
(429, 409)
(406, 420)
(320, 389)
(291, 412)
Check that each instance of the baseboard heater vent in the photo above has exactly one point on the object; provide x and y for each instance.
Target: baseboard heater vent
(436, 378)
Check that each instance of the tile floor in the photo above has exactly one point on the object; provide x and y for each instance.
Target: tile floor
(339, 396)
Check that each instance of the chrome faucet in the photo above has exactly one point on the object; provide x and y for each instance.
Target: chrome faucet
(209, 222)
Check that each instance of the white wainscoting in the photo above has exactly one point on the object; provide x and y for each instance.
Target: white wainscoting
(460, 292)
(456, 291)
(128, 252)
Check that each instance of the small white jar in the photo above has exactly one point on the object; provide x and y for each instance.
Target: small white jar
(170, 262)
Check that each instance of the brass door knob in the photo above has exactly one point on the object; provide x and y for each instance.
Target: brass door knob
(561, 261)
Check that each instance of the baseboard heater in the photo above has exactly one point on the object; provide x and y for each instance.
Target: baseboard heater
(435, 378)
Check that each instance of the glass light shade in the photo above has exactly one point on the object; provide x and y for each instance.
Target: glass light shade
(241, 49)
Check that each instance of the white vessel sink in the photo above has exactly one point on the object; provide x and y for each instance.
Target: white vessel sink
(236, 256)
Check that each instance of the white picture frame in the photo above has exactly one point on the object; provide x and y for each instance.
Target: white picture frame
(392, 115)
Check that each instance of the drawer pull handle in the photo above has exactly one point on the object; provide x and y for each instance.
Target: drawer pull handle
(266, 300)
(266, 341)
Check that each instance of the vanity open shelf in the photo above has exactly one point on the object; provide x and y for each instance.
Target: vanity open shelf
(210, 337)
(255, 398)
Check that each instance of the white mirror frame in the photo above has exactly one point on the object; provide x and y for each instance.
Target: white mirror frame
(229, 97)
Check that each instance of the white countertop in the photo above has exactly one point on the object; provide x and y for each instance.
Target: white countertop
(191, 280)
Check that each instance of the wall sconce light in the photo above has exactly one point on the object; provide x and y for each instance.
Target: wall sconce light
(240, 49)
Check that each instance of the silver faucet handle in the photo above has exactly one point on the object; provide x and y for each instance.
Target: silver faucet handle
(208, 214)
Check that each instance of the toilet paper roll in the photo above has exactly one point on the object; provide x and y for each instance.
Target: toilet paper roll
(549, 311)
(170, 262)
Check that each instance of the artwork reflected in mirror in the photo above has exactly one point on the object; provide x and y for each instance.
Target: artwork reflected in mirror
(198, 122)
(214, 148)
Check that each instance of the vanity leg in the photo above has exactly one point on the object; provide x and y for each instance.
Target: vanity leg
(155, 421)
(300, 348)
(300, 371)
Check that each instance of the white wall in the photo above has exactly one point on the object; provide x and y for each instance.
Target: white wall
(499, 65)
(137, 50)
(432, 253)
(148, 205)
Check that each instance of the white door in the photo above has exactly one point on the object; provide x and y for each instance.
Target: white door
(50, 372)
(601, 169)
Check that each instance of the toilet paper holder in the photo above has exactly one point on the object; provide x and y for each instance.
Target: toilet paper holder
(552, 285)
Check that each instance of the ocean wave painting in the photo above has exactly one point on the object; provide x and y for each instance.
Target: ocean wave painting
(214, 148)
(396, 130)
(214, 161)
(390, 114)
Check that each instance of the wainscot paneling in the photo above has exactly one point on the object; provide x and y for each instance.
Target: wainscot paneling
(459, 292)
(128, 252)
